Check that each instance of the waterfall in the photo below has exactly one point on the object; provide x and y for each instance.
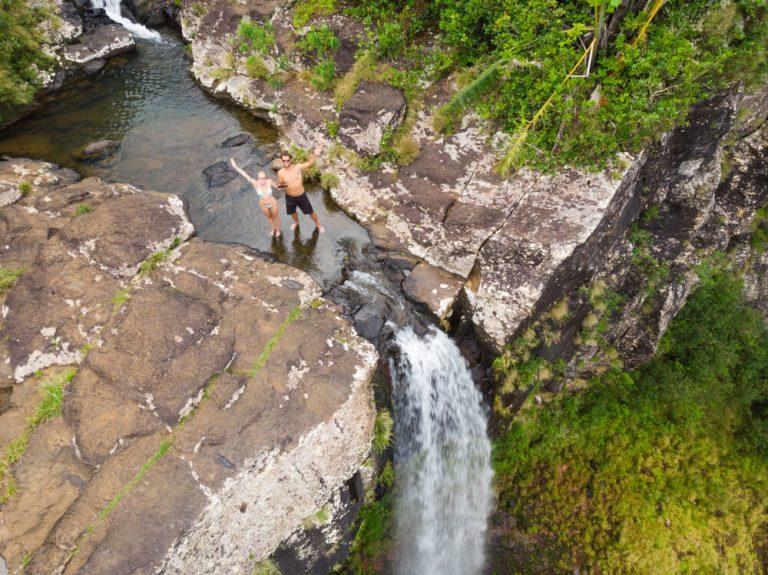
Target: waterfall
(442, 459)
(112, 8)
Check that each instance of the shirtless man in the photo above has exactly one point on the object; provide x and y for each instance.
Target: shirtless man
(289, 177)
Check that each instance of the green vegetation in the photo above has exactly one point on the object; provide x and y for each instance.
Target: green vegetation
(266, 567)
(659, 470)
(24, 187)
(21, 52)
(256, 68)
(307, 9)
(529, 66)
(83, 209)
(382, 431)
(153, 261)
(758, 239)
(255, 38)
(121, 298)
(261, 360)
(321, 41)
(653, 270)
(8, 278)
(52, 392)
(374, 537)
(329, 180)
(199, 9)
(661, 61)
(323, 74)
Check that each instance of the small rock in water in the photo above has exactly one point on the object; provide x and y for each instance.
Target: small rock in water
(102, 147)
(235, 141)
(219, 174)
(94, 66)
(268, 151)
(369, 320)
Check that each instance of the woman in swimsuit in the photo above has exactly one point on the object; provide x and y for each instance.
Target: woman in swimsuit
(267, 201)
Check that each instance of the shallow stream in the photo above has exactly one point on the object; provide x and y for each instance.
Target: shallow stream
(170, 130)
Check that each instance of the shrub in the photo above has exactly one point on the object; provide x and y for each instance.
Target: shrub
(638, 88)
(8, 278)
(323, 74)
(382, 431)
(83, 209)
(390, 39)
(307, 9)
(21, 51)
(328, 180)
(254, 37)
(333, 128)
(256, 68)
(320, 41)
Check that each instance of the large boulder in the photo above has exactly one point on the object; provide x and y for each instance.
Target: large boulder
(103, 42)
(373, 110)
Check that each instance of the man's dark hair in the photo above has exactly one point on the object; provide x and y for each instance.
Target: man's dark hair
(284, 154)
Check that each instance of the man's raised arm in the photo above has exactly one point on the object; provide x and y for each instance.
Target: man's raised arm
(312, 158)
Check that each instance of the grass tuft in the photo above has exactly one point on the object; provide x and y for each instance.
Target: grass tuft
(52, 392)
(9, 277)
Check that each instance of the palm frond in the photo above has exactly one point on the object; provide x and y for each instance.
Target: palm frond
(653, 10)
(511, 159)
(476, 87)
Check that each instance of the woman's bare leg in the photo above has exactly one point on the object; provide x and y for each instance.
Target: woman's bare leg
(276, 219)
(268, 213)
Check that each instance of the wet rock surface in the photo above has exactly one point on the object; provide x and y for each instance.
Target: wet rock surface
(202, 429)
(104, 42)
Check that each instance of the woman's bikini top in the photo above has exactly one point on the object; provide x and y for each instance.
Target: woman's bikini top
(264, 191)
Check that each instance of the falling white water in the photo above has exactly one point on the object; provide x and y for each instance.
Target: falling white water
(442, 459)
(112, 8)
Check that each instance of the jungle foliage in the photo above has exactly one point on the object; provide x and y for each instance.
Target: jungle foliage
(21, 54)
(659, 470)
(525, 64)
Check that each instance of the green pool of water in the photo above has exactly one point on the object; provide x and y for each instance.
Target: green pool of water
(170, 130)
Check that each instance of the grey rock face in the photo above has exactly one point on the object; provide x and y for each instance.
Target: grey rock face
(269, 441)
(104, 42)
(373, 109)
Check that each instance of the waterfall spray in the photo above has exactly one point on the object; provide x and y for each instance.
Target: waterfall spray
(442, 459)
(112, 7)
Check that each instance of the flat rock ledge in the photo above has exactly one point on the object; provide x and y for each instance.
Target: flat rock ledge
(201, 430)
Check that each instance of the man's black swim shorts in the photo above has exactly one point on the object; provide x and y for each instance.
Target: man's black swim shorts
(293, 202)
